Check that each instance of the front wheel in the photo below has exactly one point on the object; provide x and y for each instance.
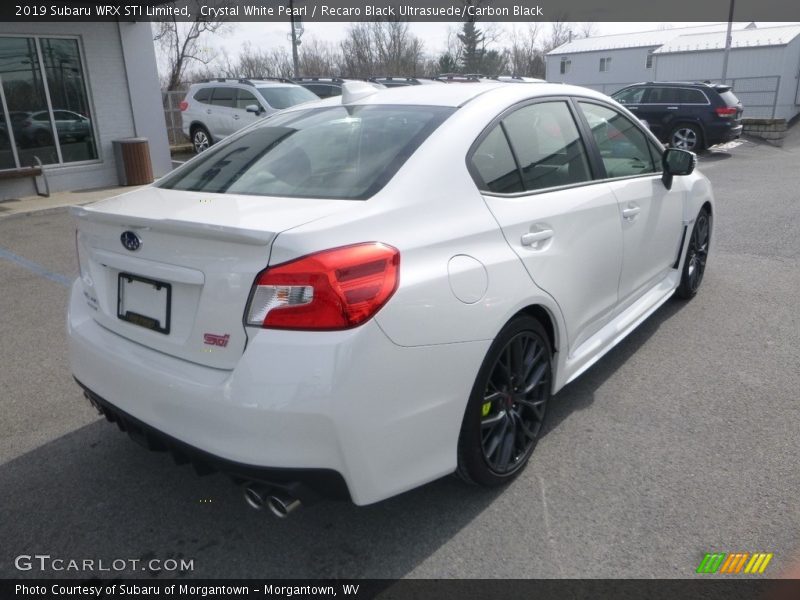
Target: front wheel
(507, 405)
(694, 265)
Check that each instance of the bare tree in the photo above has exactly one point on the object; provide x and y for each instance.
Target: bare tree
(381, 48)
(319, 58)
(525, 56)
(180, 43)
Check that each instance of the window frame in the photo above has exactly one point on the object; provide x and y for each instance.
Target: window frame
(649, 59)
(673, 87)
(37, 37)
(653, 143)
(565, 64)
(605, 64)
(591, 158)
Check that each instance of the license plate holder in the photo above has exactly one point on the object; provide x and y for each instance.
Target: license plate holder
(144, 302)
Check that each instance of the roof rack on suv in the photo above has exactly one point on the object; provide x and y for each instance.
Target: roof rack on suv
(245, 81)
(470, 77)
(334, 79)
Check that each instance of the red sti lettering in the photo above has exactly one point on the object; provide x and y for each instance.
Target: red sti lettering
(212, 339)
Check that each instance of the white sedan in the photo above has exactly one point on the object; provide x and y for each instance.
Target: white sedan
(361, 295)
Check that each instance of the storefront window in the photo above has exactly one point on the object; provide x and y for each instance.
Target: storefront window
(62, 65)
(44, 115)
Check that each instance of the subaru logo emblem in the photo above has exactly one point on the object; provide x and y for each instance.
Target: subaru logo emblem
(131, 241)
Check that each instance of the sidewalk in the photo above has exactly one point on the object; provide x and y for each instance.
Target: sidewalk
(16, 206)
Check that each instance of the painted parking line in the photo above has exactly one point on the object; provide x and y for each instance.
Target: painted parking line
(34, 268)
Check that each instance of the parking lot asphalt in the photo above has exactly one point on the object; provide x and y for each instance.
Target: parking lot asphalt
(682, 440)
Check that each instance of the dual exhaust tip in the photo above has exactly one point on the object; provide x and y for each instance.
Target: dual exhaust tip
(279, 503)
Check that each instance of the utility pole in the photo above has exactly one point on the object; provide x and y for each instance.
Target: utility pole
(728, 40)
(295, 40)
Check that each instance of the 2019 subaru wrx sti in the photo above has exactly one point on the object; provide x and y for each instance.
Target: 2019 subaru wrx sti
(367, 293)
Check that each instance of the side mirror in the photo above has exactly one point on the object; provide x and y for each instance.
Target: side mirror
(676, 162)
(253, 108)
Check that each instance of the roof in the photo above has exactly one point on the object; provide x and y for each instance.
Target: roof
(454, 95)
(745, 38)
(642, 39)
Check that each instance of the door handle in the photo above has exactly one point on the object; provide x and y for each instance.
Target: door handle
(208, 111)
(235, 116)
(529, 239)
(630, 212)
(632, 107)
(672, 108)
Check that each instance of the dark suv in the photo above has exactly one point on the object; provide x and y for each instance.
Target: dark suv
(691, 116)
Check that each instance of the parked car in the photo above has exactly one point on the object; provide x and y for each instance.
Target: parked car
(326, 87)
(214, 109)
(32, 129)
(691, 116)
(362, 296)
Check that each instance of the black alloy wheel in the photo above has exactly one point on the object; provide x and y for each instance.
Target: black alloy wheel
(694, 265)
(507, 406)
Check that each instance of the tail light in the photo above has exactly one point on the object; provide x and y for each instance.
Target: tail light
(333, 289)
(183, 105)
(725, 111)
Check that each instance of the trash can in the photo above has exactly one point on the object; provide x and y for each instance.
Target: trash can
(133, 161)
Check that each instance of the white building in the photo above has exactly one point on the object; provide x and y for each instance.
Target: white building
(67, 90)
(763, 66)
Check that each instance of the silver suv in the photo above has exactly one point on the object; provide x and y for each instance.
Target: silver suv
(216, 108)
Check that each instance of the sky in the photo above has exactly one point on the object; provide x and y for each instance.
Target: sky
(270, 35)
(265, 36)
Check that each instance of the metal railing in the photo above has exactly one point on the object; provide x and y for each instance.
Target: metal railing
(171, 101)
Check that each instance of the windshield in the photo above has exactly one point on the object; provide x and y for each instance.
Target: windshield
(338, 152)
(284, 97)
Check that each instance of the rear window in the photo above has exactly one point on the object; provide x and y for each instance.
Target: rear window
(339, 153)
(203, 95)
(729, 98)
(284, 97)
(690, 96)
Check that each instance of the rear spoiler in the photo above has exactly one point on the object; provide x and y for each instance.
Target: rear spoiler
(721, 88)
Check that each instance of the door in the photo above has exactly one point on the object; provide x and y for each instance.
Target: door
(223, 108)
(241, 117)
(651, 216)
(659, 107)
(534, 173)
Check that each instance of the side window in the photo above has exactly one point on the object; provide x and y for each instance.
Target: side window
(689, 96)
(245, 99)
(547, 145)
(495, 164)
(203, 95)
(662, 95)
(630, 96)
(320, 89)
(623, 147)
(223, 96)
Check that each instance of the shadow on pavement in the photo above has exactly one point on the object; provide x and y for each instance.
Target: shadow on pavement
(92, 494)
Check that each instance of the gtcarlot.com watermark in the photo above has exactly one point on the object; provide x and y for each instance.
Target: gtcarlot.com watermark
(45, 562)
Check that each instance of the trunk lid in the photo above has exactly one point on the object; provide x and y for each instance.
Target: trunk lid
(184, 290)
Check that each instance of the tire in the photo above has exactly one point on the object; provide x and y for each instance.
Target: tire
(42, 138)
(687, 137)
(694, 264)
(201, 139)
(500, 429)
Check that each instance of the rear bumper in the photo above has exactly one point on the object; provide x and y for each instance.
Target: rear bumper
(305, 484)
(725, 132)
(385, 418)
